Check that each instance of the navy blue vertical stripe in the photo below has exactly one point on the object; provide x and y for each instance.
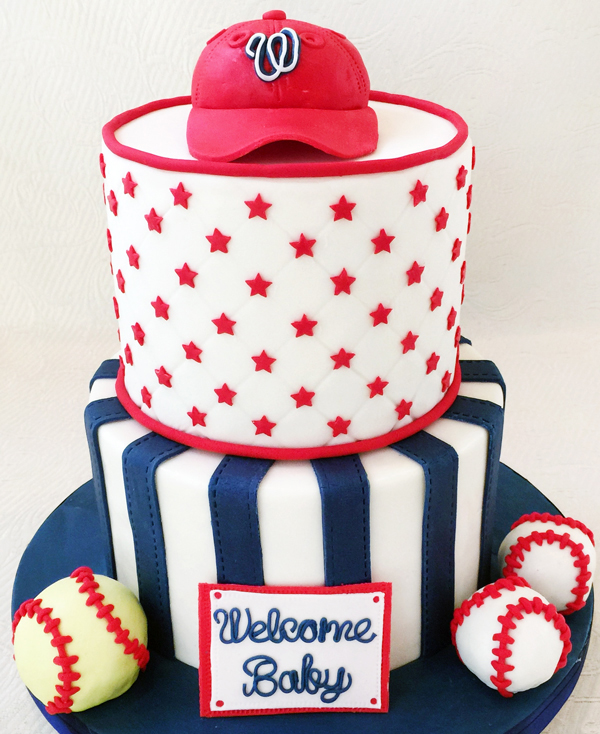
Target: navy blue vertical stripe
(107, 371)
(440, 466)
(233, 490)
(481, 370)
(97, 414)
(491, 417)
(140, 462)
(345, 501)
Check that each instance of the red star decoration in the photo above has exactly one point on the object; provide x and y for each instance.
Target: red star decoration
(146, 397)
(342, 282)
(377, 386)
(264, 425)
(263, 362)
(446, 381)
(419, 193)
(415, 273)
(134, 258)
(164, 378)
(113, 204)
(456, 249)
(198, 418)
(432, 363)
(180, 196)
(303, 246)
(462, 295)
(138, 334)
(116, 307)
(109, 240)
(473, 158)
(129, 185)
(383, 241)
(409, 341)
(339, 426)
(128, 355)
(451, 318)
(161, 309)
(303, 397)
(342, 359)
(225, 394)
(120, 281)
(102, 165)
(469, 196)
(153, 221)
(441, 220)
(104, 194)
(380, 315)
(343, 209)
(192, 352)
(186, 275)
(457, 337)
(403, 409)
(258, 286)
(218, 241)
(304, 327)
(258, 208)
(463, 272)
(436, 298)
(469, 224)
(224, 325)
(461, 177)
(110, 265)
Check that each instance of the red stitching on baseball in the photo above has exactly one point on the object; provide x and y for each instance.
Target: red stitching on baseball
(516, 556)
(557, 520)
(85, 577)
(514, 612)
(62, 703)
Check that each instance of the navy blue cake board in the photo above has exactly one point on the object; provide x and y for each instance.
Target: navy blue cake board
(434, 695)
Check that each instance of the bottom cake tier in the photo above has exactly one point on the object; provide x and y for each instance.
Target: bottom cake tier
(417, 514)
(432, 695)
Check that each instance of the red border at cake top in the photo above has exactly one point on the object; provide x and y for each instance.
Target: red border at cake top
(288, 169)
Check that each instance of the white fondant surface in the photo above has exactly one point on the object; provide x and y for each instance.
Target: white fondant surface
(536, 649)
(298, 287)
(547, 567)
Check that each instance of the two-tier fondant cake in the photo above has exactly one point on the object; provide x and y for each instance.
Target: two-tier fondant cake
(295, 433)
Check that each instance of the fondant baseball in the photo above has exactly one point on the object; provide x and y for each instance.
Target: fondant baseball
(555, 555)
(81, 642)
(510, 637)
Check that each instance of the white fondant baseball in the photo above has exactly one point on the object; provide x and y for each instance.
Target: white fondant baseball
(510, 637)
(72, 650)
(555, 555)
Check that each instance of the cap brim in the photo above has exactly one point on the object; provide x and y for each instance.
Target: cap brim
(224, 135)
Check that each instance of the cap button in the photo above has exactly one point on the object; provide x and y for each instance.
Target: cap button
(274, 15)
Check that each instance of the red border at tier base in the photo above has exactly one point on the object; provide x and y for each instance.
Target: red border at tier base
(294, 454)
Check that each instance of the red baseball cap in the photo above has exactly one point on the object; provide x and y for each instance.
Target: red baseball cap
(277, 79)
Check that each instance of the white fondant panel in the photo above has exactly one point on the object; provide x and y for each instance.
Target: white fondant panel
(338, 284)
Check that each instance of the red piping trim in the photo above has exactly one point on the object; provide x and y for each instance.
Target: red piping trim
(557, 520)
(267, 452)
(515, 558)
(62, 703)
(134, 647)
(514, 612)
(287, 170)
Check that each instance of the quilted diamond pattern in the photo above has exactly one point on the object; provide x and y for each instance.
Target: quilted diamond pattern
(301, 286)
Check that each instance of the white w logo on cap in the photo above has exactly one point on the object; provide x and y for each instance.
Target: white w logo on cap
(282, 50)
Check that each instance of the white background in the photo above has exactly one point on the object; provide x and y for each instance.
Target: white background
(526, 77)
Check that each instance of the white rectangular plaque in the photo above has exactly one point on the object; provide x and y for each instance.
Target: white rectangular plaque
(275, 649)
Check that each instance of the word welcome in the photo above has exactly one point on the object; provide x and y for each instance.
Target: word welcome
(262, 670)
(276, 630)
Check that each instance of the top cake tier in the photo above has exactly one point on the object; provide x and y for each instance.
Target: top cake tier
(289, 304)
